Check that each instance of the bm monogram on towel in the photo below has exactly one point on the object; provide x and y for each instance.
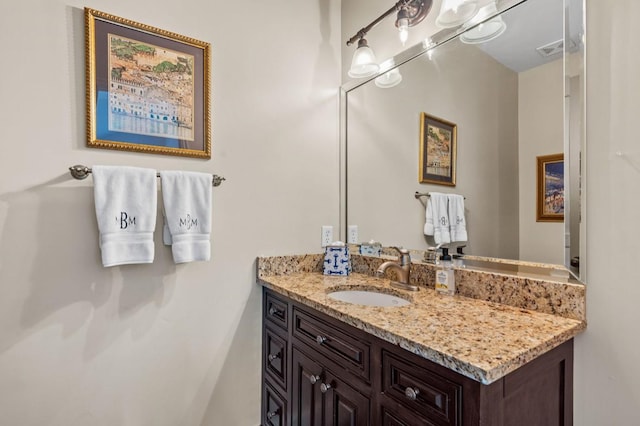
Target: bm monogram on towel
(125, 221)
(188, 222)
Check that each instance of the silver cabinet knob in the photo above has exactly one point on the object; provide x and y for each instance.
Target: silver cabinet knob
(411, 393)
(273, 310)
(321, 339)
(314, 379)
(271, 357)
(324, 387)
(272, 414)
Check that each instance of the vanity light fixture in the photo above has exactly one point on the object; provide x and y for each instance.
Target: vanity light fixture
(364, 62)
(409, 13)
(389, 79)
(483, 30)
(456, 12)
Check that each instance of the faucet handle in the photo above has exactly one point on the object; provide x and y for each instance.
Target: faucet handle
(400, 250)
(403, 255)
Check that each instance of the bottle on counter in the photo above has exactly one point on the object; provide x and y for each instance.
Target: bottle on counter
(445, 277)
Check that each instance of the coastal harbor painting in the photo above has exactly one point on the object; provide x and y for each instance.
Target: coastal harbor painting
(550, 188)
(147, 89)
(437, 150)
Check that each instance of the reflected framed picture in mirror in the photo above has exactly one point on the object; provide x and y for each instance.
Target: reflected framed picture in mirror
(550, 188)
(437, 150)
(147, 88)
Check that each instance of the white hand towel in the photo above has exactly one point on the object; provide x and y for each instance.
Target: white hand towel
(187, 210)
(458, 225)
(437, 218)
(126, 200)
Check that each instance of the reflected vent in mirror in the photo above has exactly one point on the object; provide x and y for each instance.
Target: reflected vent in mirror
(554, 48)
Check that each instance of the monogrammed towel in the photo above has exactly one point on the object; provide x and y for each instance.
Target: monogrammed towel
(187, 211)
(126, 200)
(437, 218)
(458, 225)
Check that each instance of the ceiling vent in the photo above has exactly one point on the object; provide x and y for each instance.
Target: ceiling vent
(551, 48)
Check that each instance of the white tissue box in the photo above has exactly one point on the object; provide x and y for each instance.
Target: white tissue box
(337, 260)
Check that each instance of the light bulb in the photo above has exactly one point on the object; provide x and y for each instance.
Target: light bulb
(403, 32)
(402, 23)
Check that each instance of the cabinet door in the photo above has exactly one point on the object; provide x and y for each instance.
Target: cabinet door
(306, 398)
(274, 358)
(321, 398)
(344, 406)
(274, 407)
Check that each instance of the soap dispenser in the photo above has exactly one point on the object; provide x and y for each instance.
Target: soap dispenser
(445, 277)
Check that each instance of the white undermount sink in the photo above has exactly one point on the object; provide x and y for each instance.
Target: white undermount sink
(368, 298)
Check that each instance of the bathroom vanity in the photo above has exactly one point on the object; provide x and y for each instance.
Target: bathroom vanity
(440, 360)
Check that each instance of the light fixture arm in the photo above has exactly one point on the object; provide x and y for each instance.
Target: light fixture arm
(417, 11)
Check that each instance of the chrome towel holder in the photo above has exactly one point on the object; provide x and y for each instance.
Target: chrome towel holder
(419, 195)
(81, 172)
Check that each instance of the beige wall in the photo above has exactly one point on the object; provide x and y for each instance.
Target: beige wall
(157, 344)
(166, 345)
(540, 132)
(607, 372)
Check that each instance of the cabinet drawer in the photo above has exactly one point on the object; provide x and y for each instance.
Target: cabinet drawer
(274, 408)
(276, 310)
(275, 357)
(436, 398)
(402, 417)
(346, 351)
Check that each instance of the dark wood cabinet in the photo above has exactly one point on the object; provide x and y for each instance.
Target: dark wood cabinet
(319, 371)
(320, 397)
(275, 412)
(306, 397)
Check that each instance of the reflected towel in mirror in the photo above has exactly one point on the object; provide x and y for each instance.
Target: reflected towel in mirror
(437, 218)
(458, 225)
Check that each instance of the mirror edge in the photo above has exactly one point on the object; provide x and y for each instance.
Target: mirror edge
(575, 14)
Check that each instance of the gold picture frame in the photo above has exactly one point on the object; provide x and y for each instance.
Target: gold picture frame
(147, 89)
(550, 188)
(438, 145)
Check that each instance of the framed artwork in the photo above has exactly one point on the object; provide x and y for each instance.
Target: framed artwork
(550, 188)
(147, 89)
(437, 151)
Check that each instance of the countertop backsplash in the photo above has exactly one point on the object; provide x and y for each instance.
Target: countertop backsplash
(564, 299)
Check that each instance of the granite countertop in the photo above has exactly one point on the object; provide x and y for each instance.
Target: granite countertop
(478, 339)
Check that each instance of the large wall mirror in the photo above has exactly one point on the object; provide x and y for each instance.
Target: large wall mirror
(512, 99)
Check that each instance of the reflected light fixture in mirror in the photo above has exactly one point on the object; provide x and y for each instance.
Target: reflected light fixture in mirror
(364, 62)
(389, 79)
(456, 12)
(484, 31)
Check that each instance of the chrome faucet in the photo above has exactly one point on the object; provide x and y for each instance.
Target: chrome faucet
(402, 267)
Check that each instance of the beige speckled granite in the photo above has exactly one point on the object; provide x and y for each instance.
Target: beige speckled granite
(479, 339)
(551, 297)
(280, 265)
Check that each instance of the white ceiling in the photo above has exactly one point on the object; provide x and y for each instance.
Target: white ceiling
(530, 25)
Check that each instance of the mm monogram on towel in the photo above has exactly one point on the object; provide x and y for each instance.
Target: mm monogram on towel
(189, 222)
(125, 221)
